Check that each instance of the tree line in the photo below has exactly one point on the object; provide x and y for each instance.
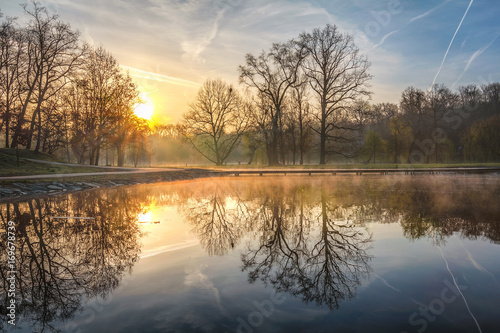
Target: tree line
(302, 101)
(311, 95)
(59, 93)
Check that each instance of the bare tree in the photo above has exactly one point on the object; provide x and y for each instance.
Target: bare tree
(53, 51)
(413, 106)
(301, 118)
(338, 75)
(216, 121)
(11, 57)
(124, 125)
(101, 101)
(272, 74)
(441, 101)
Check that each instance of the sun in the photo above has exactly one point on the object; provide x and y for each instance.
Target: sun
(145, 109)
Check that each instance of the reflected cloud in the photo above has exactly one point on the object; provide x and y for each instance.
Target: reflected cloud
(62, 263)
(308, 237)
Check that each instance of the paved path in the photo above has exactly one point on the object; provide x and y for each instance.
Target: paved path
(76, 165)
(122, 171)
(82, 174)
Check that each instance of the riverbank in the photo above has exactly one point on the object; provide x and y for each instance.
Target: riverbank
(24, 188)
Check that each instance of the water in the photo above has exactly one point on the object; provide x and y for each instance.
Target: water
(261, 254)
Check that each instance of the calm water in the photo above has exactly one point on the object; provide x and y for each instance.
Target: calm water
(261, 254)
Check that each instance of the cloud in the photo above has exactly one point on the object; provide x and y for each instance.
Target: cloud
(159, 77)
(474, 56)
(193, 49)
(197, 279)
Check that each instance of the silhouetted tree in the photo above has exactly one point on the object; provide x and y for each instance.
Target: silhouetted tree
(338, 75)
(216, 122)
(272, 74)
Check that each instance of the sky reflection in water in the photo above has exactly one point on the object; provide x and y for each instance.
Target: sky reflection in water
(294, 254)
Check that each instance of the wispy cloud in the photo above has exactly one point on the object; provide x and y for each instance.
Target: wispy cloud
(449, 46)
(159, 77)
(473, 57)
(193, 49)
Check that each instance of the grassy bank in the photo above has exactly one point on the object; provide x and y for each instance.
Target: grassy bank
(9, 164)
(356, 166)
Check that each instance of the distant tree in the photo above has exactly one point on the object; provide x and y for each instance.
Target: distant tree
(413, 107)
(272, 74)
(400, 139)
(491, 96)
(470, 100)
(125, 127)
(216, 121)
(301, 118)
(338, 75)
(138, 139)
(374, 145)
(440, 101)
(482, 140)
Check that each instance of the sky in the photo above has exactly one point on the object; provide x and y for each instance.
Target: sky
(170, 47)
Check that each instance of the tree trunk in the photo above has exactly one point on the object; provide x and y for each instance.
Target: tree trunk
(32, 129)
(396, 152)
(121, 155)
(252, 156)
(39, 132)
(7, 118)
(322, 152)
(20, 122)
(98, 150)
(272, 152)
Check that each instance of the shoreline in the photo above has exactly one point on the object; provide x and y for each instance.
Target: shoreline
(21, 189)
(28, 187)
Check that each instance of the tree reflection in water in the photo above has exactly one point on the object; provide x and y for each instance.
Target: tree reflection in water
(308, 237)
(61, 263)
(317, 254)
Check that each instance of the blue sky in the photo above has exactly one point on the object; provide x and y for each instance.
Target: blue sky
(172, 46)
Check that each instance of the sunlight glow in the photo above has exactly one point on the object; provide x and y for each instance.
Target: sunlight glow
(146, 108)
(144, 218)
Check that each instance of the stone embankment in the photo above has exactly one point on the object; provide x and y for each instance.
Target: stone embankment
(21, 189)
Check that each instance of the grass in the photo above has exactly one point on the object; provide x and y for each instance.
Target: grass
(355, 166)
(9, 166)
(139, 178)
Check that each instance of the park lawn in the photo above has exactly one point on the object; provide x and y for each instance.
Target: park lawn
(9, 167)
(355, 166)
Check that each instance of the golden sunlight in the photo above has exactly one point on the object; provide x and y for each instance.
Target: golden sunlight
(145, 109)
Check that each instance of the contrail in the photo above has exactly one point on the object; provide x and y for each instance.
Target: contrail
(449, 46)
(473, 57)
(383, 39)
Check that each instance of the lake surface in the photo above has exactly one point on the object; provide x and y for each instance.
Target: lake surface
(261, 254)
